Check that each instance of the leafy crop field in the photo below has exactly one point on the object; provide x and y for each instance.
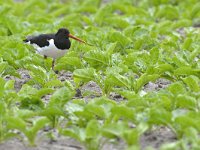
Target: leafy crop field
(137, 87)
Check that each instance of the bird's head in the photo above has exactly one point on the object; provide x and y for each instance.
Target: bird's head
(63, 32)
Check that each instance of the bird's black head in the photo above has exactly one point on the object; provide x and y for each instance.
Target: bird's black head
(63, 32)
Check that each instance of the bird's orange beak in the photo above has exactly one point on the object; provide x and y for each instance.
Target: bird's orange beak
(75, 38)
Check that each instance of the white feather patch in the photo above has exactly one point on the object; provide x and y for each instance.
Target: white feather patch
(49, 51)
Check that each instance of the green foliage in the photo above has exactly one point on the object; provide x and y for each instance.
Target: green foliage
(135, 44)
(31, 131)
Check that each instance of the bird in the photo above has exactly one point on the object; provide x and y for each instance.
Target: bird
(53, 45)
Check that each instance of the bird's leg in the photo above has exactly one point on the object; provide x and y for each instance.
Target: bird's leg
(45, 57)
(53, 64)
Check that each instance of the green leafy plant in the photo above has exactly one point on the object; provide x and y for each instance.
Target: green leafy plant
(133, 45)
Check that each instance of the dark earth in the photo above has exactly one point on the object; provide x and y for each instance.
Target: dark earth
(154, 138)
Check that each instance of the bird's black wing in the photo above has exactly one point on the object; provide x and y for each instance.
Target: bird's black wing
(41, 40)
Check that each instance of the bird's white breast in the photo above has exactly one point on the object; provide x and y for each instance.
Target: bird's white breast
(50, 51)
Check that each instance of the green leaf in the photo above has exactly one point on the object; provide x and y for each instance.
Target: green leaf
(111, 48)
(74, 62)
(144, 79)
(162, 68)
(44, 91)
(160, 116)
(25, 113)
(120, 38)
(195, 10)
(93, 129)
(194, 54)
(74, 132)
(37, 125)
(126, 93)
(16, 123)
(51, 111)
(27, 90)
(193, 83)
(185, 101)
(96, 110)
(32, 103)
(2, 83)
(97, 59)
(53, 83)
(118, 80)
(131, 137)
(102, 13)
(61, 96)
(182, 23)
(123, 112)
(38, 74)
(168, 12)
(3, 66)
(187, 71)
(139, 32)
(84, 75)
(183, 122)
(154, 54)
(117, 22)
(9, 85)
(114, 129)
(177, 88)
(187, 43)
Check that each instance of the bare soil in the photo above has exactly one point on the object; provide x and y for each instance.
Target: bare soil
(154, 138)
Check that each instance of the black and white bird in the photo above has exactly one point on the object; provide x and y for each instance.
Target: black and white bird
(52, 45)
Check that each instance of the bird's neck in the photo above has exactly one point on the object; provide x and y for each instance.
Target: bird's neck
(62, 43)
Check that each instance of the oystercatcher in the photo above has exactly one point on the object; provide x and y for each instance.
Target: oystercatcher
(52, 45)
